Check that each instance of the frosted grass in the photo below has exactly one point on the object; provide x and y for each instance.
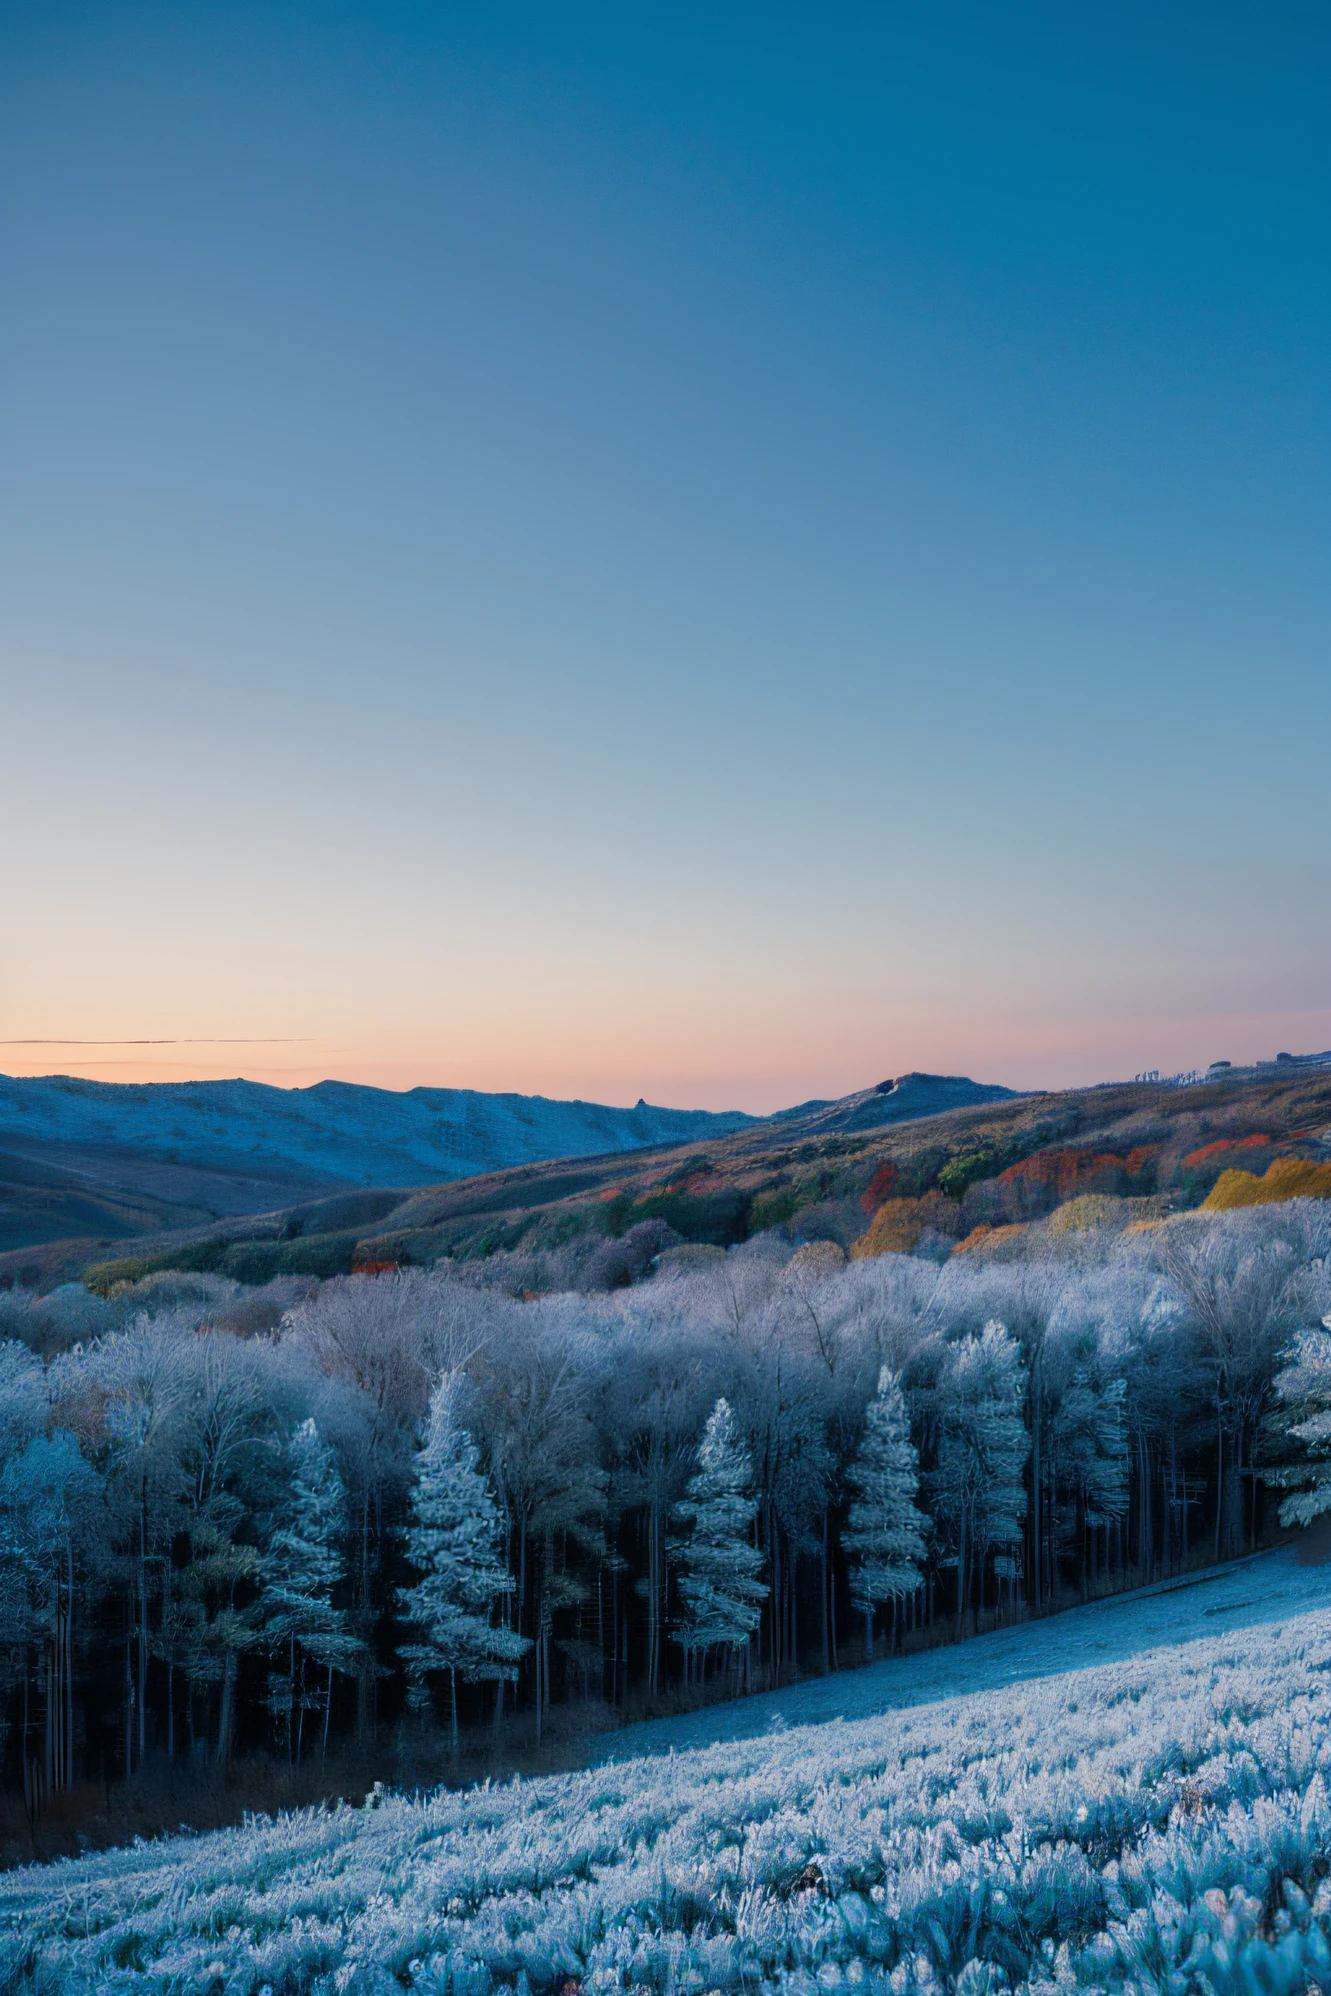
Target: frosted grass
(1271, 1587)
(1160, 1822)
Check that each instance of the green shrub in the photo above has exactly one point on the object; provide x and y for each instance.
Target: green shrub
(956, 1178)
(772, 1208)
(719, 1219)
(199, 1258)
(618, 1214)
(255, 1262)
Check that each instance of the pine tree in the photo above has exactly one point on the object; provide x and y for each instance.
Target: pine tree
(884, 1530)
(1305, 1387)
(452, 1543)
(302, 1571)
(719, 1564)
(979, 1487)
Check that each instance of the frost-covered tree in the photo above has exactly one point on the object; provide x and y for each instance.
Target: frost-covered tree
(378, 1341)
(1088, 1457)
(219, 1452)
(1242, 1289)
(657, 1395)
(23, 1411)
(302, 1568)
(884, 1533)
(1304, 1385)
(780, 1400)
(142, 1378)
(451, 1541)
(543, 1451)
(979, 1491)
(719, 1563)
(48, 1494)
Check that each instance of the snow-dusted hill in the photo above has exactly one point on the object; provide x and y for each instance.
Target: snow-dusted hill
(1160, 1822)
(335, 1132)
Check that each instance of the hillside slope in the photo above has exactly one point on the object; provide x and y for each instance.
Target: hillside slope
(1159, 1822)
(969, 1178)
(110, 1160)
(1265, 1588)
(99, 1163)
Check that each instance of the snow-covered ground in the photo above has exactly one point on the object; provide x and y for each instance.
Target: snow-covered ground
(338, 1131)
(1270, 1588)
(1159, 1821)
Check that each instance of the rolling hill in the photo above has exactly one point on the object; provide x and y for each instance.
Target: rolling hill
(883, 1169)
(98, 1162)
(904, 1166)
(91, 1158)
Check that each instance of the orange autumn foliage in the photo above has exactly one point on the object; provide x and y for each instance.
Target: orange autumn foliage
(897, 1226)
(985, 1239)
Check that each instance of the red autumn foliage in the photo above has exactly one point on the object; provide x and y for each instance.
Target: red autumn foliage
(881, 1186)
(1064, 1174)
(1197, 1160)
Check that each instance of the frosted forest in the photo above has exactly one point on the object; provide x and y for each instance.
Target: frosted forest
(428, 1527)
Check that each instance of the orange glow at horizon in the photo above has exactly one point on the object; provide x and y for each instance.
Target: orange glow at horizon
(743, 1072)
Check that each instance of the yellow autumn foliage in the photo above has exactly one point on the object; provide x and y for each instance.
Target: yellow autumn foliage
(1090, 1209)
(1287, 1178)
(815, 1260)
(1104, 1211)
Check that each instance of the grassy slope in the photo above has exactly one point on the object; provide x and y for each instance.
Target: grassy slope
(51, 1192)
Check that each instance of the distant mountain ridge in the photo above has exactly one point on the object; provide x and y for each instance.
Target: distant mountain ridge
(115, 1159)
(340, 1131)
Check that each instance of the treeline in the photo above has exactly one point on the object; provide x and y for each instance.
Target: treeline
(216, 1509)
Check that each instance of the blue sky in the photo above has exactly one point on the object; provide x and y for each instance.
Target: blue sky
(714, 553)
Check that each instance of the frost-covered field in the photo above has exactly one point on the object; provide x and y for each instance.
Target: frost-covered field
(1271, 1588)
(1159, 1822)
